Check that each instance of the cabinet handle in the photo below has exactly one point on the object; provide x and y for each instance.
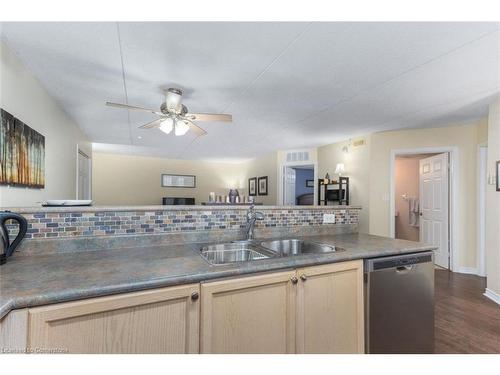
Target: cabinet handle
(294, 280)
(303, 277)
(195, 296)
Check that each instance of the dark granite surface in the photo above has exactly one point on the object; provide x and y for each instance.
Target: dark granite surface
(45, 279)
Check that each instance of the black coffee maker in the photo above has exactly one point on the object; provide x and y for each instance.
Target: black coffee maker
(6, 247)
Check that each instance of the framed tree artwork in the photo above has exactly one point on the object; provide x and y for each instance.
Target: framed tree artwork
(22, 153)
(262, 185)
(252, 186)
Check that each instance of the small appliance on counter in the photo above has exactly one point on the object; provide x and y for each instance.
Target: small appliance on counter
(7, 248)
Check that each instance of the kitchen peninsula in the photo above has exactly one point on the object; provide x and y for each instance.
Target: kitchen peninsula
(131, 280)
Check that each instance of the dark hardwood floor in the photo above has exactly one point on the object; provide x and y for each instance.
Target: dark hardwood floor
(466, 321)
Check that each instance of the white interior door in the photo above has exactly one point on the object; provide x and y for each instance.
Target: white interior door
(434, 202)
(84, 181)
(289, 186)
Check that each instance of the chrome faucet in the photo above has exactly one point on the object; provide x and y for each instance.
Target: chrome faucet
(252, 216)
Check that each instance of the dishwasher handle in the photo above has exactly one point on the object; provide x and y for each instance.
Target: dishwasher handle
(402, 269)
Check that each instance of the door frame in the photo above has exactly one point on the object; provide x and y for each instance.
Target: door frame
(79, 152)
(482, 165)
(453, 194)
(281, 177)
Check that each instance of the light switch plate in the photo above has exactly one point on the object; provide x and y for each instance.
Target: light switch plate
(328, 218)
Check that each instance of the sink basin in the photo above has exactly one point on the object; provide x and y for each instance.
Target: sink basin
(234, 252)
(291, 247)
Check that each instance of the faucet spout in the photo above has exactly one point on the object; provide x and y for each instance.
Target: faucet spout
(252, 217)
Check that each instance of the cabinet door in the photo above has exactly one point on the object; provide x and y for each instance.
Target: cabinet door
(156, 321)
(330, 308)
(249, 315)
(14, 332)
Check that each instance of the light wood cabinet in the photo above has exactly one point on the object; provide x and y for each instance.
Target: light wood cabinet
(321, 312)
(253, 314)
(155, 321)
(330, 311)
(315, 309)
(14, 332)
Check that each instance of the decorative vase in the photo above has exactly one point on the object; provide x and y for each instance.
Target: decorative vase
(233, 193)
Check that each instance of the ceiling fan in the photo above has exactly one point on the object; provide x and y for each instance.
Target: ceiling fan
(175, 116)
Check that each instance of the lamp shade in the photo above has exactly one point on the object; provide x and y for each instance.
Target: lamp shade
(181, 128)
(340, 169)
(167, 125)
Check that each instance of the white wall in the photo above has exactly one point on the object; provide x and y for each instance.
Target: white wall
(135, 180)
(22, 95)
(371, 166)
(493, 204)
(356, 162)
(259, 167)
(466, 139)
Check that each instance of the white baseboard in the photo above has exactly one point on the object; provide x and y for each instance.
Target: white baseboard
(468, 270)
(495, 297)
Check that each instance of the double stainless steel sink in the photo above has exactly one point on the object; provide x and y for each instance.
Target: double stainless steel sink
(246, 251)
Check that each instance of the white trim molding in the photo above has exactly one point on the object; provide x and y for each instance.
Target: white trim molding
(454, 206)
(482, 171)
(495, 297)
(468, 270)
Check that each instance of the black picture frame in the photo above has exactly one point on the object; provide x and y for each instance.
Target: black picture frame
(310, 183)
(262, 185)
(252, 186)
(498, 175)
(165, 184)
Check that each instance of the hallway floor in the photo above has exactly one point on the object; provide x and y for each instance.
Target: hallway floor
(466, 321)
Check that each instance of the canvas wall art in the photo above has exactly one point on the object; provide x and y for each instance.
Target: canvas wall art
(22, 153)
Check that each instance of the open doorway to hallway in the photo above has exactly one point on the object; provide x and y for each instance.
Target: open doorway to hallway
(422, 201)
(298, 185)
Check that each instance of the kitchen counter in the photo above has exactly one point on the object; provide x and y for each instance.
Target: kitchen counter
(45, 279)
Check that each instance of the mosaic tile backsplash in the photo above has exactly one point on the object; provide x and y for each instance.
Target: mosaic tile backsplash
(121, 223)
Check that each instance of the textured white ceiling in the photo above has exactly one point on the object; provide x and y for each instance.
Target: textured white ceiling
(287, 85)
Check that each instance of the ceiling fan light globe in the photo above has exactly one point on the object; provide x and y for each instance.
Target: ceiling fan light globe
(167, 125)
(181, 128)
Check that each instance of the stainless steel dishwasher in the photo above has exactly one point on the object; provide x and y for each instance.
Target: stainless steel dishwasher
(399, 304)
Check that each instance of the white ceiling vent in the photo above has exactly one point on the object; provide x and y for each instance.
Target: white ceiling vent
(294, 156)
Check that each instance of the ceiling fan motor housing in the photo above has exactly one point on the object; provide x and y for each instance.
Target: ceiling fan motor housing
(173, 97)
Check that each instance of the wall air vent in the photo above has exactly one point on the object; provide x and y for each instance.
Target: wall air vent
(297, 156)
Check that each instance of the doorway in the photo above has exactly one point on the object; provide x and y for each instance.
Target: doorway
(84, 185)
(298, 185)
(421, 201)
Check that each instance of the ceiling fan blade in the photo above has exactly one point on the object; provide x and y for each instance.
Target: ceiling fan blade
(150, 125)
(126, 106)
(209, 117)
(196, 129)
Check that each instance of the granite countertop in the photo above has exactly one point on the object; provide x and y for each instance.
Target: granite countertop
(44, 279)
(97, 208)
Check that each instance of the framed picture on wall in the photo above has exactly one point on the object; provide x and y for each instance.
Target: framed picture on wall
(178, 180)
(252, 186)
(262, 185)
(22, 153)
(310, 183)
(498, 175)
